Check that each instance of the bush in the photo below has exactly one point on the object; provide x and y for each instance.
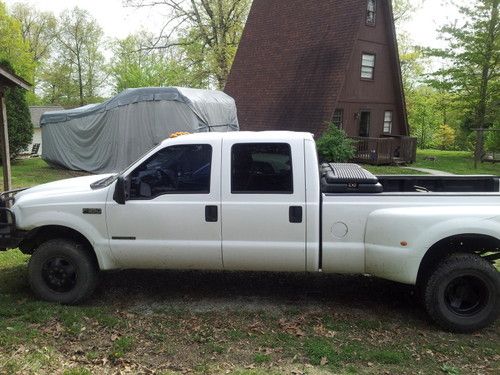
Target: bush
(335, 146)
(18, 117)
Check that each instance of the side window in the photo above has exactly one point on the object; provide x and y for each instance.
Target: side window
(371, 12)
(183, 169)
(388, 122)
(367, 66)
(264, 168)
(338, 118)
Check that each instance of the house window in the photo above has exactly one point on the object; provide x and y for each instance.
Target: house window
(364, 124)
(338, 118)
(371, 12)
(367, 66)
(388, 122)
(261, 168)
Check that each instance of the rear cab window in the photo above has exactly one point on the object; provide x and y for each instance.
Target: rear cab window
(261, 168)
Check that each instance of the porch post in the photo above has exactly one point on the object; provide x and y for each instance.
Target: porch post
(4, 140)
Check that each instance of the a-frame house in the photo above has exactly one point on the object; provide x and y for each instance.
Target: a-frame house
(304, 63)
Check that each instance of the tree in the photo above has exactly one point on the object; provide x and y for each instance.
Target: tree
(335, 146)
(37, 28)
(13, 47)
(403, 9)
(473, 61)
(208, 32)
(18, 117)
(445, 137)
(136, 66)
(423, 116)
(79, 52)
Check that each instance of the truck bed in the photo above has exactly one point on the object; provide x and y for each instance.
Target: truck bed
(339, 178)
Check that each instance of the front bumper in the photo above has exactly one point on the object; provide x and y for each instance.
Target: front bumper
(10, 236)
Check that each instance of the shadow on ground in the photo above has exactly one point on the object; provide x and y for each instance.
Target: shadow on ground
(214, 291)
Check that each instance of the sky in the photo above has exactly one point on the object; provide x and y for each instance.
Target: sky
(119, 21)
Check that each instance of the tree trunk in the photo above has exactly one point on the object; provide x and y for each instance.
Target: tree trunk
(485, 75)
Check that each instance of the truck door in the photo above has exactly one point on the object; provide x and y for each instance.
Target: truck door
(171, 218)
(263, 195)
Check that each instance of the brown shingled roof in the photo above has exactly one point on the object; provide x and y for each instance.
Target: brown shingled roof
(292, 61)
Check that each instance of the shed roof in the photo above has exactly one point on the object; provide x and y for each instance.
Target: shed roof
(12, 80)
(36, 112)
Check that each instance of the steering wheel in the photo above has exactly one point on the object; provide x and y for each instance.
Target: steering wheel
(167, 178)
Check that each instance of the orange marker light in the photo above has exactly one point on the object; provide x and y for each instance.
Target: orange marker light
(404, 243)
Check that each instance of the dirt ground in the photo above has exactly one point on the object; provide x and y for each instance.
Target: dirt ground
(239, 323)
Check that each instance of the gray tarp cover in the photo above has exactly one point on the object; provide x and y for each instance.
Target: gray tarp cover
(108, 137)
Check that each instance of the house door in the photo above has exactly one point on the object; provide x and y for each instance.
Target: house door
(364, 124)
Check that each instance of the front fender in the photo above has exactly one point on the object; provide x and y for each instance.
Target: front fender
(397, 239)
(92, 227)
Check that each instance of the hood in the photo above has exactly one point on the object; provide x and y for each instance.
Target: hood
(62, 187)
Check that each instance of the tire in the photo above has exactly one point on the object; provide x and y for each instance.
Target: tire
(62, 271)
(463, 293)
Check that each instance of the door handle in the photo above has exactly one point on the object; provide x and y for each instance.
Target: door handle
(295, 214)
(211, 214)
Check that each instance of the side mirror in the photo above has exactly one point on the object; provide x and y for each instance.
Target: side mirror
(119, 195)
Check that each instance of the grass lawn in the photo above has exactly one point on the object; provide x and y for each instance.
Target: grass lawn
(35, 171)
(458, 162)
(226, 323)
(390, 169)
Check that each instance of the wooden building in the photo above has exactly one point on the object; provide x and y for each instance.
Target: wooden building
(7, 80)
(304, 63)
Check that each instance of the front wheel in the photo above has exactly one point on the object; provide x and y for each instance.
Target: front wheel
(62, 271)
(463, 293)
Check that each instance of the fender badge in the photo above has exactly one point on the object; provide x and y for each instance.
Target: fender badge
(92, 211)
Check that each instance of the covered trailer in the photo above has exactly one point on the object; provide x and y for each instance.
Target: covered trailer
(107, 137)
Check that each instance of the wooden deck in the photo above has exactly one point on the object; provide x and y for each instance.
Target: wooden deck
(385, 150)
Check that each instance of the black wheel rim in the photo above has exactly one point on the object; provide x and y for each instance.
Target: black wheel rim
(59, 274)
(466, 295)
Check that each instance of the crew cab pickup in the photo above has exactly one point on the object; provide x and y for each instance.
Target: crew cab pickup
(248, 201)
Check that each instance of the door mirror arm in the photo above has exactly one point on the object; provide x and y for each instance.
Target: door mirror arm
(120, 194)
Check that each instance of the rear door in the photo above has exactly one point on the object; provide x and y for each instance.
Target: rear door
(263, 195)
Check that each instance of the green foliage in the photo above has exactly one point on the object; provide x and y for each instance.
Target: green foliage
(76, 72)
(445, 137)
(428, 109)
(38, 29)
(335, 146)
(473, 61)
(209, 34)
(493, 139)
(18, 117)
(136, 65)
(13, 47)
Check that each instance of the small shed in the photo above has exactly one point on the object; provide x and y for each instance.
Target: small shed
(107, 137)
(36, 112)
(7, 80)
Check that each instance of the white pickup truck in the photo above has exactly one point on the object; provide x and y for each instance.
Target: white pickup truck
(258, 202)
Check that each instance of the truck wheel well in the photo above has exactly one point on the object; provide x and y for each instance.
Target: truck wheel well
(463, 243)
(37, 236)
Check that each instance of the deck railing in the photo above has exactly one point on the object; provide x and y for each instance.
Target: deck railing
(387, 150)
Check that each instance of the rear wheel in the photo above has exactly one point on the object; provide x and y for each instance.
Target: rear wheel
(463, 293)
(62, 271)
